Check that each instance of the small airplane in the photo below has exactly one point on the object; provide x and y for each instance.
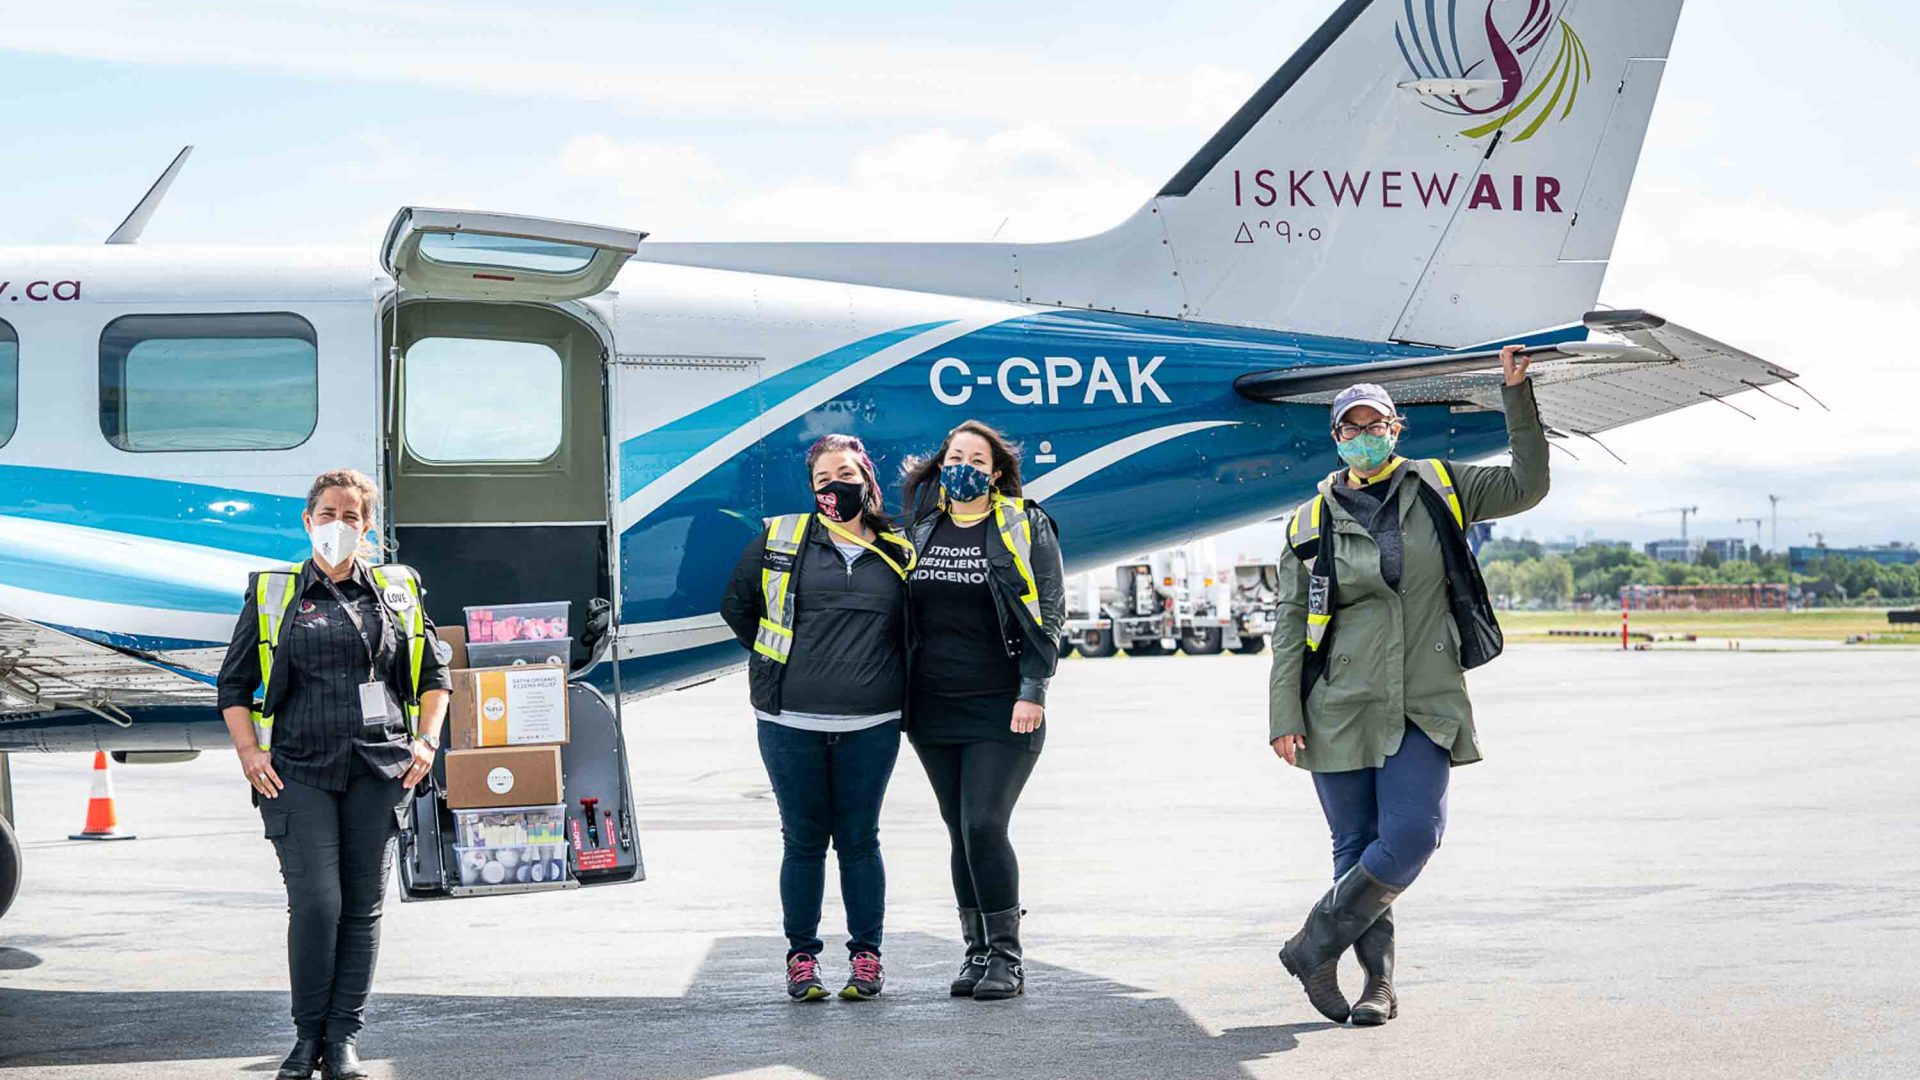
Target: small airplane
(561, 411)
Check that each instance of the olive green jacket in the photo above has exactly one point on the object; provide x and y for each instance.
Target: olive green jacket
(1395, 656)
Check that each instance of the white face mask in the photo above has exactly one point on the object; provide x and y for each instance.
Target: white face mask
(334, 543)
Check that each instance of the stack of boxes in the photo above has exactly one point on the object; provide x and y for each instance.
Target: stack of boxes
(506, 726)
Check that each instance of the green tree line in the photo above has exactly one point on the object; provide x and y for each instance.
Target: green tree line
(1522, 572)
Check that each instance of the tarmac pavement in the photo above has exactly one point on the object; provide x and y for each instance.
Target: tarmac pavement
(1671, 864)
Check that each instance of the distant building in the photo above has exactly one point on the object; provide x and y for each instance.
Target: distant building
(1801, 559)
(1673, 550)
(1560, 547)
(1727, 549)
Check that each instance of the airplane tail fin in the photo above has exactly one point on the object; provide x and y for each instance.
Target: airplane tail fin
(1438, 172)
(1433, 171)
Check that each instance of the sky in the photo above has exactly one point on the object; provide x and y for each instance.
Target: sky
(1776, 206)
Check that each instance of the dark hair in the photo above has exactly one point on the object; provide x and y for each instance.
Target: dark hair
(921, 487)
(875, 512)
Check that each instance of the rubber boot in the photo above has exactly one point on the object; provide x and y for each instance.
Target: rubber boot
(1004, 976)
(1313, 955)
(302, 1061)
(340, 1061)
(973, 929)
(1377, 1003)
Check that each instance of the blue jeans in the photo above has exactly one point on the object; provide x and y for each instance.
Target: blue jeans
(1389, 819)
(829, 787)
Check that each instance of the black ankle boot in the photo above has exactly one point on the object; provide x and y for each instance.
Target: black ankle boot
(302, 1061)
(1336, 922)
(340, 1061)
(974, 930)
(1377, 1003)
(1004, 976)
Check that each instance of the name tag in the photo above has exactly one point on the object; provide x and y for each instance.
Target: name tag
(373, 704)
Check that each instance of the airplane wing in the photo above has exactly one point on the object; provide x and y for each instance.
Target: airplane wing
(43, 669)
(1644, 367)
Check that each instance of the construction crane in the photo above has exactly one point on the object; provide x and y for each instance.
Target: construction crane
(1773, 502)
(1684, 511)
(1756, 523)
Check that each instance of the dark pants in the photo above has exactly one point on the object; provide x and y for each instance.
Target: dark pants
(335, 850)
(977, 784)
(1389, 819)
(829, 787)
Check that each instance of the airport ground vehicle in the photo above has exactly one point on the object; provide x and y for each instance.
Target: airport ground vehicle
(1176, 598)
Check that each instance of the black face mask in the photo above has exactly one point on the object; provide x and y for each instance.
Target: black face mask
(841, 500)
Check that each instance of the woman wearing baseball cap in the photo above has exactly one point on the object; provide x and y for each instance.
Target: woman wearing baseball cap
(1381, 610)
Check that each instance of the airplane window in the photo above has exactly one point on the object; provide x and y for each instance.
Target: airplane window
(9, 383)
(234, 381)
(506, 252)
(475, 399)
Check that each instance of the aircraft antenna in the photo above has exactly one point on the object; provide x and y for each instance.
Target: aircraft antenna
(136, 223)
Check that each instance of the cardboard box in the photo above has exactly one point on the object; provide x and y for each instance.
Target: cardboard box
(504, 776)
(452, 649)
(524, 705)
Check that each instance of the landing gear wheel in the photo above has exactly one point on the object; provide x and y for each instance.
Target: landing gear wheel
(1066, 646)
(1148, 647)
(1204, 641)
(1251, 644)
(9, 865)
(1096, 644)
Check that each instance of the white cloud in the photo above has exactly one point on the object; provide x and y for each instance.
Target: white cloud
(640, 62)
(1028, 183)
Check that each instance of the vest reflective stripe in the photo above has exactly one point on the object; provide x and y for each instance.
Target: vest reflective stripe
(272, 598)
(1435, 473)
(784, 534)
(1305, 533)
(413, 633)
(1019, 540)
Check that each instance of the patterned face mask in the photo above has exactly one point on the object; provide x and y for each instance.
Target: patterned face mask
(1367, 452)
(963, 482)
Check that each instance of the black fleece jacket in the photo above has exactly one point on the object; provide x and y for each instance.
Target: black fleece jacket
(849, 650)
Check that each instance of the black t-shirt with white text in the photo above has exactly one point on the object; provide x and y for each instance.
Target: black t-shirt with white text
(964, 683)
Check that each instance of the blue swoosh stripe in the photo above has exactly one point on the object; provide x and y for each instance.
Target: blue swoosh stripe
(229, 519)
(62, 573)
(645, 458)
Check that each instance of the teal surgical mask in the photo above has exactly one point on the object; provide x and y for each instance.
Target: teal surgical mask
(1367, 452)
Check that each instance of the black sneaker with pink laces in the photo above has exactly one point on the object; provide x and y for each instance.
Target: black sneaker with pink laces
(803, 978)
(866, 979)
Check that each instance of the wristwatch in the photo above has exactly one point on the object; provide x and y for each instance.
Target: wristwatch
(431, 740)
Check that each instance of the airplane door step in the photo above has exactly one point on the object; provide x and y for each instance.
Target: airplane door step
(600, 841)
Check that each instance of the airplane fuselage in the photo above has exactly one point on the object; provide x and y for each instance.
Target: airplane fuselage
(711, 386)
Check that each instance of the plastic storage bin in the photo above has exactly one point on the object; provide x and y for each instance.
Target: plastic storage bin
(516, 826)
(516, 622)
(511, 653)
(525, 864)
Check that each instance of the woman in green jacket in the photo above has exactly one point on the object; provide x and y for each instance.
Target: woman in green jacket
(1367, 692)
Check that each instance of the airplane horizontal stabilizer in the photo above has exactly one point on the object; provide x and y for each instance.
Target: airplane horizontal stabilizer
(1643, 366)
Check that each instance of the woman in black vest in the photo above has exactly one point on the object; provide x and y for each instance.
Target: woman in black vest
(987, 600)
(820, 601)
(350, 729)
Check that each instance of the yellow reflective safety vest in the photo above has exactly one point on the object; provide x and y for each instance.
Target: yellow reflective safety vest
(1303, 536)
(1017, 535)
(1471, 609)
(785, 535)
(274, 594)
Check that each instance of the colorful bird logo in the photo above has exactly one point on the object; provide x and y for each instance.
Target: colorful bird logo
(1510, 55)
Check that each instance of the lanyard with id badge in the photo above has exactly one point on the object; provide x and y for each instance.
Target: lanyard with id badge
(373, 692)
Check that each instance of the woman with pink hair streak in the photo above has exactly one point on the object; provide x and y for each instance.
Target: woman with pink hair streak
(819, 601)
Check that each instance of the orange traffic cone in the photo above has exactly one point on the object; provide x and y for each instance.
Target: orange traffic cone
(102, 822)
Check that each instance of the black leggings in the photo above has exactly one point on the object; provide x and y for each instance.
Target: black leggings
(977, 784)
